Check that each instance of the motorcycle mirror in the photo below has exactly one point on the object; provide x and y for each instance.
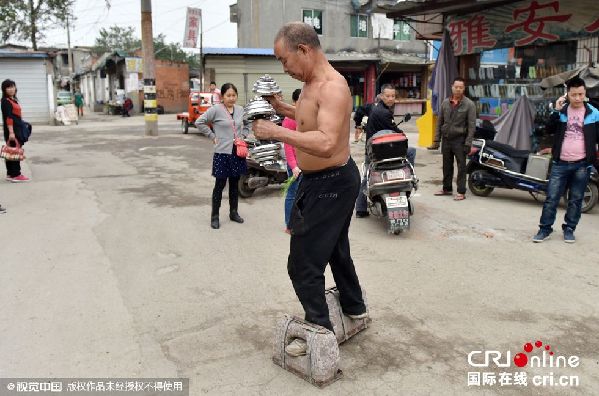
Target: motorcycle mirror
(407, 117)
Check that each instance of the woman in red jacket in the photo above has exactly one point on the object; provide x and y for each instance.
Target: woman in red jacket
(12, 123)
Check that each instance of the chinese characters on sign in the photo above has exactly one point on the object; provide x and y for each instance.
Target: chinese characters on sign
(523, 23)
(476, 30)
(314, 19)
(533, 25)
(192, 27)
(593, 27)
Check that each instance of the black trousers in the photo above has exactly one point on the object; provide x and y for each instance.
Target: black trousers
(13, 168)
(451, 149)
(217, 194)
(319, 225)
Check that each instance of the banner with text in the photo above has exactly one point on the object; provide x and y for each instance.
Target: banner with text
(523, 23)
(192, 27)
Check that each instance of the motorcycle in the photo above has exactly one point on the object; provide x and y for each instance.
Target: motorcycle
(497, 165)
(265, 166)
(390, 179)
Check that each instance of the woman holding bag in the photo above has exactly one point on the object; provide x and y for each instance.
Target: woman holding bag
(13, 123)
(226, 119)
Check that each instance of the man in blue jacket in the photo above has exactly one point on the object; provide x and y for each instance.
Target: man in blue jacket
(574, 153)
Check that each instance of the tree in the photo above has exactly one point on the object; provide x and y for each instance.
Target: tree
(124, 38)
(27, 19)
(172, 52)
(116, 37)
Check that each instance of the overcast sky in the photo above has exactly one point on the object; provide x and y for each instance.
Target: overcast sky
(168, 18)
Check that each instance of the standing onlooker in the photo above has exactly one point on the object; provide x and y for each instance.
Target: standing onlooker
(127, 107)
(216, 93)
(455, 126)
(227, 125)
(292, 168)
(13, 128)
(79, 103)
(574, 150)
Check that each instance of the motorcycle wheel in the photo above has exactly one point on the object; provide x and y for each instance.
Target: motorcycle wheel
(244, 190)
(480, 191)
(591, 195)
(184, 126)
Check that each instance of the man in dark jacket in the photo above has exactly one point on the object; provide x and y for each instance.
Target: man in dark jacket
(455, 126)
(380, 119)
(574, 152)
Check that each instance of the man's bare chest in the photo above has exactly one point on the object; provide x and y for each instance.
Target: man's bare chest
(306, 114)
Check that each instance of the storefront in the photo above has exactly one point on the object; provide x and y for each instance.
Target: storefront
(506, 51)
(505, 48)
(355, 74)
(367, 73)
(410, 79)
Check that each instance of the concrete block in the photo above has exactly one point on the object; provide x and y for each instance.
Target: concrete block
(344, 326)
(320, 366)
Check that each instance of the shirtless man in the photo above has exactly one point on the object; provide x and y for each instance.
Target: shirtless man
(325, 198)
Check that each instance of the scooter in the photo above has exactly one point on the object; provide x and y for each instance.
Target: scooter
(390, 179)
(265, 166)
(497, 165)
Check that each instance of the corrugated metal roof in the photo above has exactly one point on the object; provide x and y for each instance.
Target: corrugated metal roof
(239, 51)
(7, 53)
(380, 56)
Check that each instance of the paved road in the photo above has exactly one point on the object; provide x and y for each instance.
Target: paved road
(109, 268)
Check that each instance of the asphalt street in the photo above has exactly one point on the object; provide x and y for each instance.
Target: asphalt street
(110, 269)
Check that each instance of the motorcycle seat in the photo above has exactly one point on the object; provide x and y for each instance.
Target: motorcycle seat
(508, 150)
(395, 137)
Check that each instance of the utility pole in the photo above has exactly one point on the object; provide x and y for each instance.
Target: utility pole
(147, 48)
(69, 55)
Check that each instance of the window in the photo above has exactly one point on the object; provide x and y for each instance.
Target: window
(358, 25)
(314, 19)
(65, 59)
(401, 31)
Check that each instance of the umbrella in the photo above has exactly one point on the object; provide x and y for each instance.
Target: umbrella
(445, 71)
(590, 75)
(515, 126)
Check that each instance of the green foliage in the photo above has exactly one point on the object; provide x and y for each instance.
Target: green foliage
(173, 52)
(27, 19)
(116, 37)
(124, 38)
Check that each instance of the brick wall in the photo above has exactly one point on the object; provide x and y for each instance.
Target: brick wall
(172, 85)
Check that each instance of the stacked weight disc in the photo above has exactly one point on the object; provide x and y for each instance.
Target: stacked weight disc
(266, 86)
(267, 153)
(258, 108)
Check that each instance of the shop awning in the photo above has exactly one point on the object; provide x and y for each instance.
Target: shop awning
(395, 9)
(590, 75)
(114, 55)
(381, 56)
